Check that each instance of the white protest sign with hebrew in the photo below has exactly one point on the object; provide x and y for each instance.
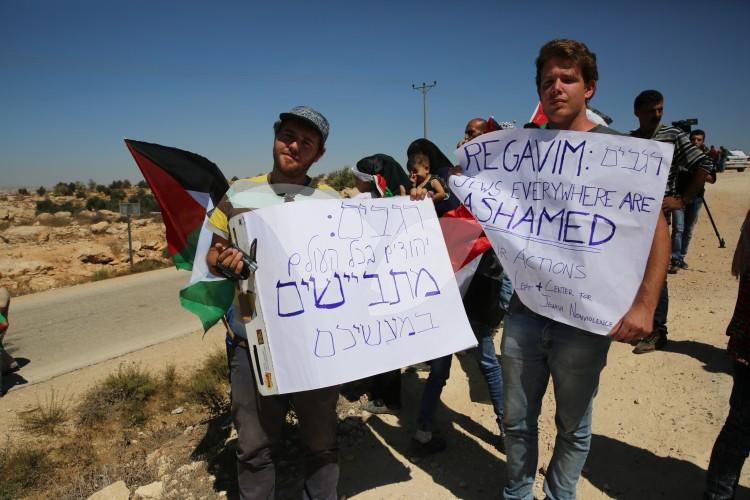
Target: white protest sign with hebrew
(349, 289)
(571, 216)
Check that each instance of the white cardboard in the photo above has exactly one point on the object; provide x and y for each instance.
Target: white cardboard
(571, 216)
(349, 289)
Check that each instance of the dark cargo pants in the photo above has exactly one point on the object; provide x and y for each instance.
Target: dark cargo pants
(259, 421)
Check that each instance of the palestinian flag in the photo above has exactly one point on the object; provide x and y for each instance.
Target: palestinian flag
(187, 186)
(464, 237)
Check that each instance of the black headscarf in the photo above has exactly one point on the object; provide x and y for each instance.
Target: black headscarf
(387, 168)
(440, 166)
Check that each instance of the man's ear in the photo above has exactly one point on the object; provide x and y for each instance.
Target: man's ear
(320, 153)
(590, 89)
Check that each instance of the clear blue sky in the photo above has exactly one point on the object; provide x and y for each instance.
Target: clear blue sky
(79, 76)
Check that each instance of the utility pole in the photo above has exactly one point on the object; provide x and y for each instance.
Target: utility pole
(424, 88)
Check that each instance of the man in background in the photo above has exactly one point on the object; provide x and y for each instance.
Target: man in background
(689, 163)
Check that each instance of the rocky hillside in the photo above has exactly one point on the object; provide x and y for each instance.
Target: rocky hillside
(41, 250)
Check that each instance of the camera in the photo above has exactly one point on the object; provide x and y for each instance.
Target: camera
(686, 124)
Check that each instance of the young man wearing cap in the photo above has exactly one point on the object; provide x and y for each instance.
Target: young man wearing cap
(535, 347)
(299, 141)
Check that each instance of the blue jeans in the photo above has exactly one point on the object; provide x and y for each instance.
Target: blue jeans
(440, 370)
(733, 443)
(533, 348)
(683, 223)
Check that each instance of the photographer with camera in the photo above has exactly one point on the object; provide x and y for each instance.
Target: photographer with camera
(299, 141)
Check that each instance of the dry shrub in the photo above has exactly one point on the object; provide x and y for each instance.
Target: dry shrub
(85, 220)
(125, 393)
(168, 385)
(102, 274)
(21, 469)
(149, 265)
(22, 287)
(208, 384)
(116, 246)
(46, 416)
(89, 471)
(56, 222)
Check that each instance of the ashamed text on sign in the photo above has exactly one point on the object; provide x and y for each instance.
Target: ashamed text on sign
(352, 288)
(571, 216)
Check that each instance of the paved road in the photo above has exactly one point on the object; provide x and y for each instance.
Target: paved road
(66, 329)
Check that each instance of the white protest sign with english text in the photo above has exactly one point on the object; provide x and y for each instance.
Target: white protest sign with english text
(571, 216)
(352, 288)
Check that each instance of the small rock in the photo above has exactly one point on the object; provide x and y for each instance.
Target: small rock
(178, 410)
(115, 491)
(152, 491)
(636, 402)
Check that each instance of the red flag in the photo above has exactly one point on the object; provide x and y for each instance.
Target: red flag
(538, 117)
(492, 125)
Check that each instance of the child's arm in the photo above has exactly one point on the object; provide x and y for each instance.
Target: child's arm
(439, 194)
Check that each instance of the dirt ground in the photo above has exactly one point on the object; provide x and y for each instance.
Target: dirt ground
(655, 418)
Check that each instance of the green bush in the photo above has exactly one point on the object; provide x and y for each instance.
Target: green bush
(50, 207)
(41, 191)
(62, 189)
(94, 203)
(123, 184)
(340, 179)
(23, 191)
